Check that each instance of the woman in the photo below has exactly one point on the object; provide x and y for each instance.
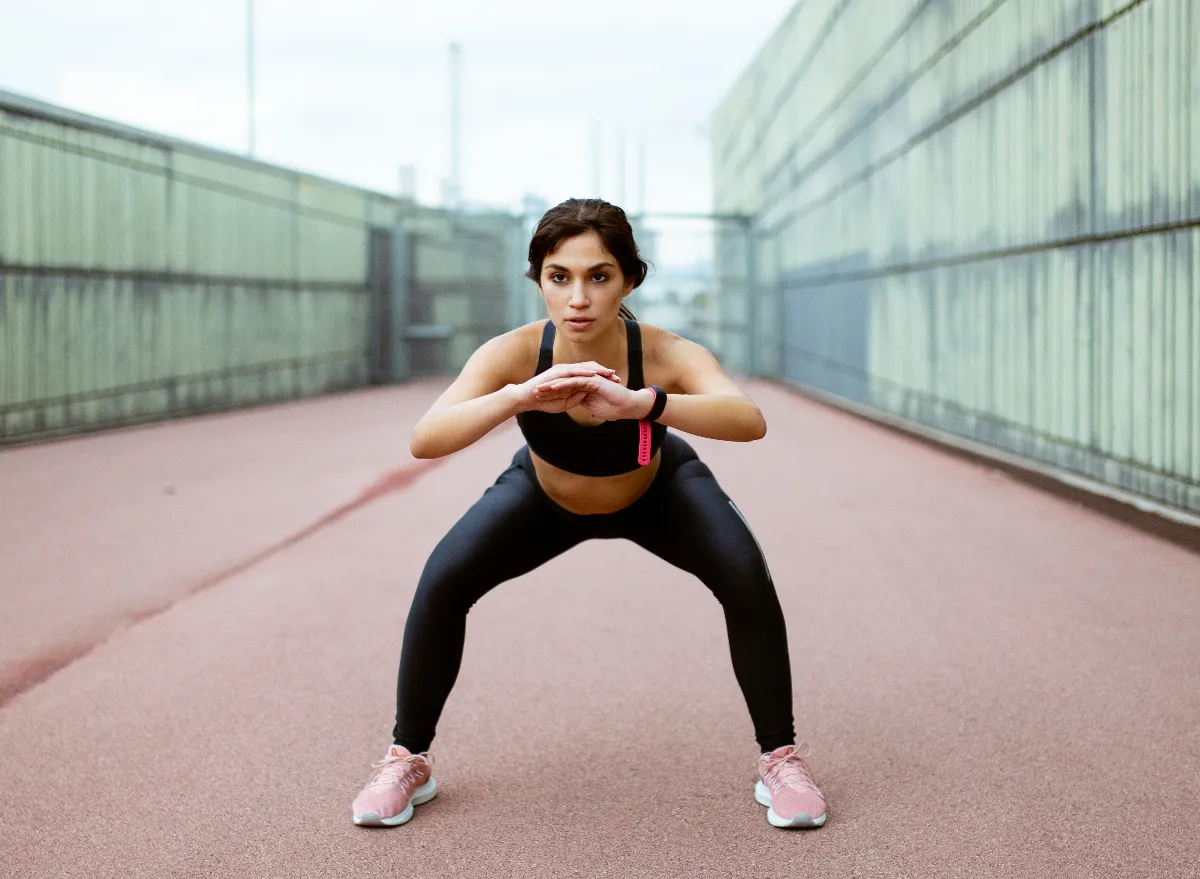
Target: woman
(599, 463)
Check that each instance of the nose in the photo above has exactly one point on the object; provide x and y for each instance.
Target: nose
(578, 296)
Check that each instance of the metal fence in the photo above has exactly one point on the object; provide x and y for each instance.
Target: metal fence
(143, 277)
(983, 216)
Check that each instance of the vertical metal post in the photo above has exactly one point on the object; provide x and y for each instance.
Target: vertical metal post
(641, 173)
(753, 300)
(781, 363)
(381, 267)
(408, 182)
(455, 125)
(250, 74)
(401, 355)
(620, 189)
(597, 181)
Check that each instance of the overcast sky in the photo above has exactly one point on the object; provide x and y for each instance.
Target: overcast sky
(353, 89)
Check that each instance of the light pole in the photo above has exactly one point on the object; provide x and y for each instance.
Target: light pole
(250, 75)
(641, 172)
(455, 125)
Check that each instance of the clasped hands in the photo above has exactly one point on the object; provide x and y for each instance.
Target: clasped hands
(596, 388)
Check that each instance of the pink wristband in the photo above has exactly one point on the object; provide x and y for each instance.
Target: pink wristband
(644, 438)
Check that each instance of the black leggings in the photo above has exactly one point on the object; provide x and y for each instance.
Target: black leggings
(684, 518)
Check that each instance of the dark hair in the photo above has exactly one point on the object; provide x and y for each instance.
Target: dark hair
(578, 216)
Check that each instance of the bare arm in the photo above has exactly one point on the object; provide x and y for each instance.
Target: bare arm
(711, 403)
(485, 395)
(702, 400)
(476, 403)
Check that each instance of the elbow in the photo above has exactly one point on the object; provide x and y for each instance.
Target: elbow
(419, 445)
(757, 427)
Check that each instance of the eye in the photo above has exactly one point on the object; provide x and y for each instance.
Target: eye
(599, 277)
(558, 278)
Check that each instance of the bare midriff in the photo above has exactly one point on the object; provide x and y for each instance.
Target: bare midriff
(592, 495)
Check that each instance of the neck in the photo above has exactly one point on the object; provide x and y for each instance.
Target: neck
(608, 349)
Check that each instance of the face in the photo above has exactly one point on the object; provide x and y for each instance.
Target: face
(583, 286)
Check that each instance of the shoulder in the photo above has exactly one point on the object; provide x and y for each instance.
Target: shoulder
(663, 347)
(513, 354)
(522, 338)
(671, 354)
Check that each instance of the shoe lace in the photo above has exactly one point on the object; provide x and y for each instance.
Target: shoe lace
(792, 769)
(393, 769)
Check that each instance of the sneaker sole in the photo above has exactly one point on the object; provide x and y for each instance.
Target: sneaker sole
(802, 819)
(423, 794)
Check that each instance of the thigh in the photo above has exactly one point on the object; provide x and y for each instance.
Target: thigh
(693, 524)
(508, 532)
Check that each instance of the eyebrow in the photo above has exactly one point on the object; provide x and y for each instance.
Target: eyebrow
(599, 265)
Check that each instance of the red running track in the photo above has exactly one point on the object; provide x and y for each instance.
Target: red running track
(202, 621)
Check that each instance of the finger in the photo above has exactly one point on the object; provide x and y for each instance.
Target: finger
(604, 371)
(564, 374)
(587, 365)
(590, 369)
(556, 384)
(563, 394)
(556, 394)
(570, 385)
(564, 381)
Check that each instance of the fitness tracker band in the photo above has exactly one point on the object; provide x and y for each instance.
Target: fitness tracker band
(660, 403)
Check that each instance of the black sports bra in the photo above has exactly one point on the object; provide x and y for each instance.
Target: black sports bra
(605, 449)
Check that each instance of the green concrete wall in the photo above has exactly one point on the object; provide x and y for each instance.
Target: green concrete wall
(143, 277)
(984, 216)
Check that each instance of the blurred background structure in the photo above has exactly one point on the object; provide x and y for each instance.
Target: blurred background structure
(975, 217)
(983, 216)
(142, 277)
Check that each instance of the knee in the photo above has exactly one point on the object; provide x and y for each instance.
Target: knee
(445, 587)
(742, 582)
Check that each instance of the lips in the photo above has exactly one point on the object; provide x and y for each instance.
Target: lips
(579, 323)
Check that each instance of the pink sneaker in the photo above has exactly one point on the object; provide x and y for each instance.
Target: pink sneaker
(787, 789)
(401, 780)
